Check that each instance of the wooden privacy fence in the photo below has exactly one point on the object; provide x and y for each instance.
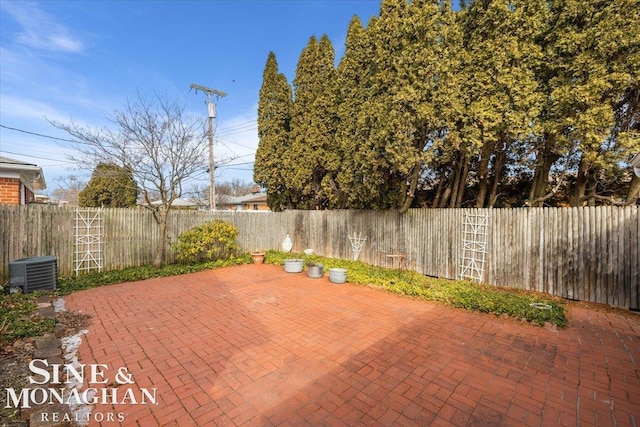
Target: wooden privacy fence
(589, 254)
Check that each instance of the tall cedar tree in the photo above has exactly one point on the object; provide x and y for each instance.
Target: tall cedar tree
(110, 186)
(591, 62)
(503, 97)
(312, 126)
(526, 102)
(425, 75)
(389, 158)
(595, 78)
(274, 118)
(354, 91)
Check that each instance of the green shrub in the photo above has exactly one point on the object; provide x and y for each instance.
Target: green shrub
(457, 293)
(67, 285)
(18, 317)
(210, 241)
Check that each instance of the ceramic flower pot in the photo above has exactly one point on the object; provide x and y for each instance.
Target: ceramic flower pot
(258, 257)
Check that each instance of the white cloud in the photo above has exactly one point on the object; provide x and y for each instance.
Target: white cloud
(25, 108)
(41, 30)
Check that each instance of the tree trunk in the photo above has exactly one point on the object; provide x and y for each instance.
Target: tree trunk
(438, 195)
(634, 190)
(411, 193)
(445, 196)
(455, 183)
(540, 178)
(497, 173)
(463, 183)
(581, 184)
(591, 195)
(544, 160)
(161, 249)
(483, 175)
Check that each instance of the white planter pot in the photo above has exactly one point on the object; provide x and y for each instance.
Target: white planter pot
(293, 265)
(337, 275)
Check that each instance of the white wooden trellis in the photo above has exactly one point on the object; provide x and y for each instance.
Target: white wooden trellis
(475, 235)
(88, 240)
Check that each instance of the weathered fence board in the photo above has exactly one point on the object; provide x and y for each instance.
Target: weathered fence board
(590, 253)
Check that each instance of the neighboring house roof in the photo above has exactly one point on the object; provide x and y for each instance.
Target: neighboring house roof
(178, 203)
(30, 174)
(243, 200)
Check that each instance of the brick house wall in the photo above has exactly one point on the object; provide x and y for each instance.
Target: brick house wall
(29, 197)
(10, 192)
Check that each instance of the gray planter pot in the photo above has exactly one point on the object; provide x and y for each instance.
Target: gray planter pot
(315, 271)
(293, 265)
(337, 275)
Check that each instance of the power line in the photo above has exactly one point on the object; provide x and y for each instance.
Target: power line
(221, 139)
(80, 142)
(235, 164)
(239, 130)
(235, 127)
(41, 135)
(36, 157)
(236, 143)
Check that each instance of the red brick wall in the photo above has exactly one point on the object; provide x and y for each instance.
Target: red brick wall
(10, 191)
(28, 196)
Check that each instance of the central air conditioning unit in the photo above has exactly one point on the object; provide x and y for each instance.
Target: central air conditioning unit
(34, 274)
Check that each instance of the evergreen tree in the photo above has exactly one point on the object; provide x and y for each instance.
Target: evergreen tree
(591, 63)
(110, 186)
(313, 125)
(503, 98)
(444, 172)
(385, 158)
(274, 118)
(354, 91)
(443, 108)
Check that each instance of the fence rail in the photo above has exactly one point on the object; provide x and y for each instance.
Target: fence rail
(590, 254)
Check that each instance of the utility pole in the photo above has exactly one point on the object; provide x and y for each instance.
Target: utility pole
(211, 109)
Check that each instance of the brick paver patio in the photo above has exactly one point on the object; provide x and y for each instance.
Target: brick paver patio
(254, 345)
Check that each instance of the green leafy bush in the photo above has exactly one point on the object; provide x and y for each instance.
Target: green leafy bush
(67, 285)
(210, 241)
(462, 294)
(18, 317)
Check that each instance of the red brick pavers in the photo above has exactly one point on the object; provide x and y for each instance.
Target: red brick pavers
(254, 345)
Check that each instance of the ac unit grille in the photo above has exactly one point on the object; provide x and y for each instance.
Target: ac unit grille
(34, 274)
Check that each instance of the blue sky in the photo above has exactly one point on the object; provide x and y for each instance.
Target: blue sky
(81, 60)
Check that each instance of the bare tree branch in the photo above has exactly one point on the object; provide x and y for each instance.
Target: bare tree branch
(155, 140)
